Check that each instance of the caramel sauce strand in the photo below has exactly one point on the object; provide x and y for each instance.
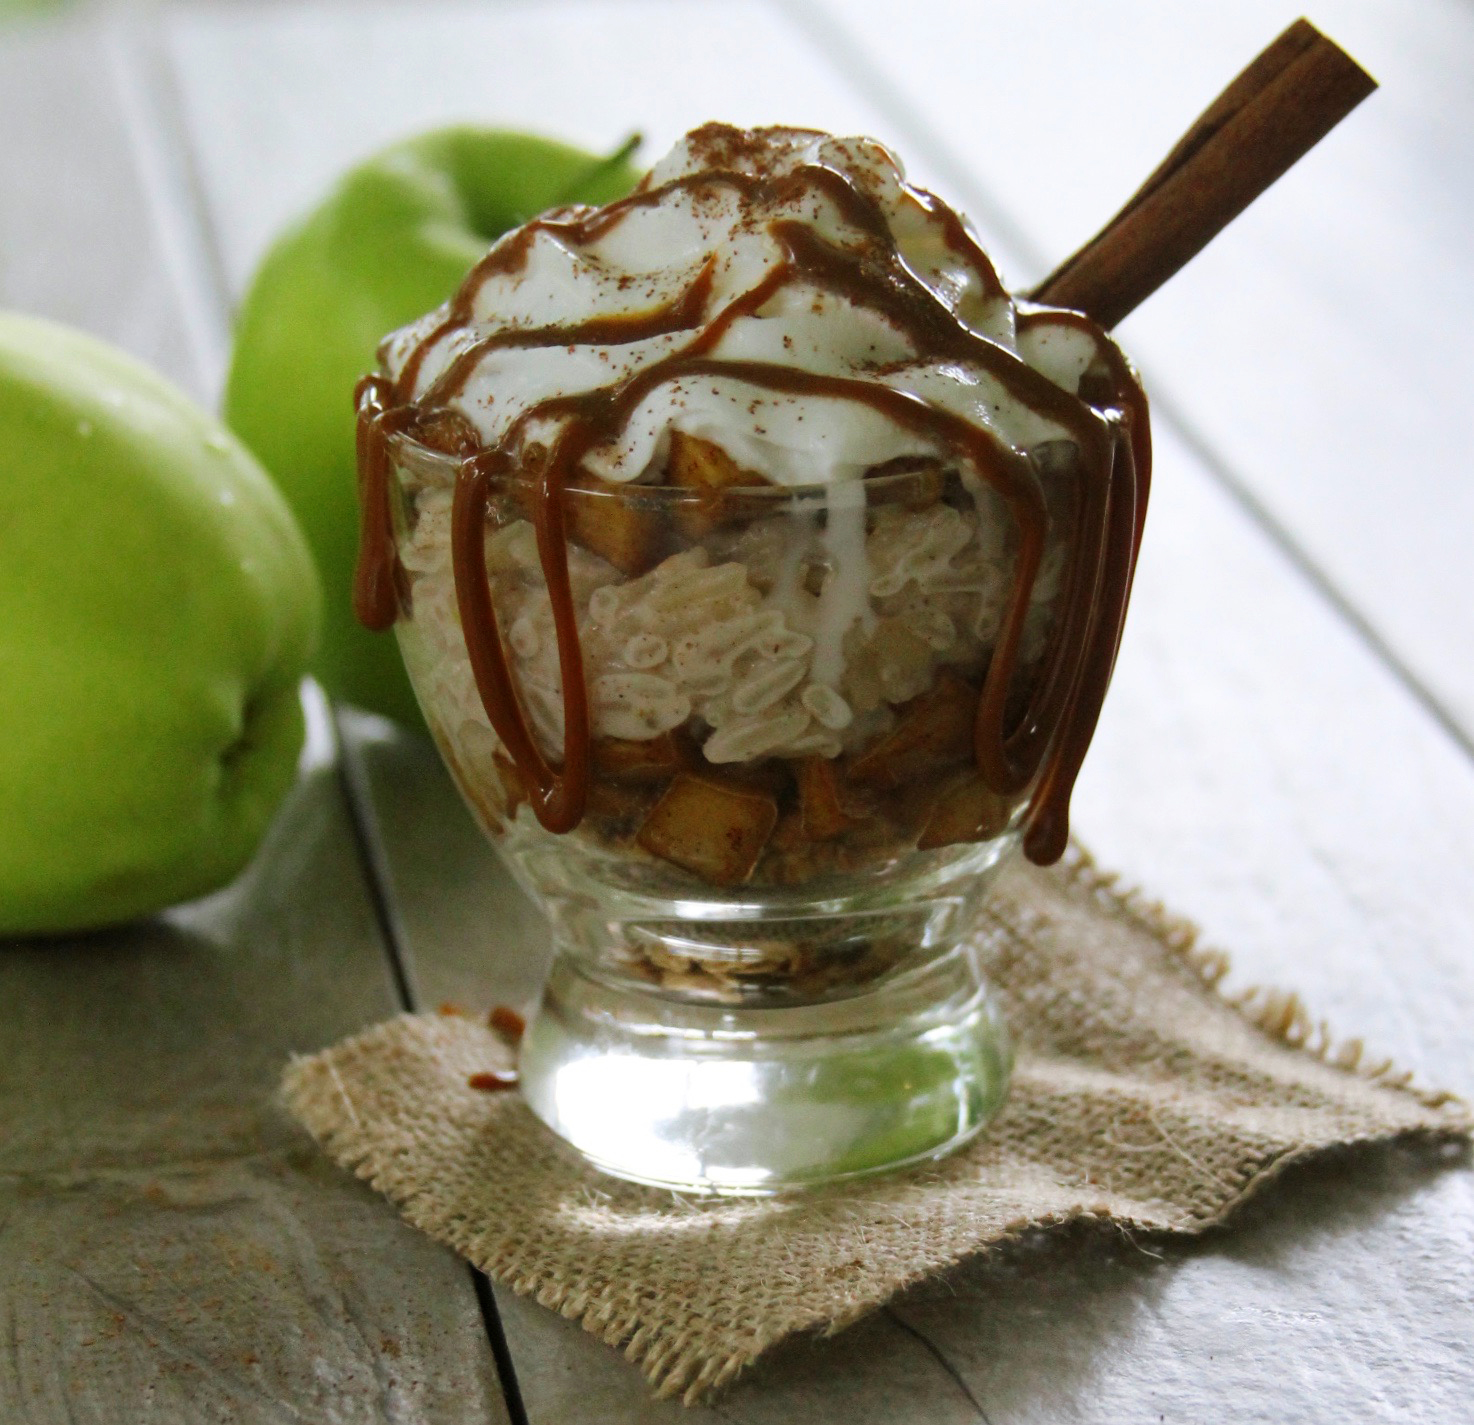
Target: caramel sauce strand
(862, 211)
(509, 255)
(1130, 465)
(1028, 741)
(1127, 396)
(1047, 821)
(1003, 772)
(682, 313)
(962, 242)
(578, 227)
(560, 805)
(483, 637)
(375, 585)
(913, 309)
(1007, 758)
(1273, 114)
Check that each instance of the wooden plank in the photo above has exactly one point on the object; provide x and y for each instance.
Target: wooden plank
(171, 1246)
(1258, 768)
(1340, 1295)
(470, 937)
(261, 1288)
(1318, 348)
(1228, 774)
(876, 1373)
(161, 1041)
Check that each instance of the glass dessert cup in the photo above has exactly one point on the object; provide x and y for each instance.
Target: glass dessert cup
(762, 975)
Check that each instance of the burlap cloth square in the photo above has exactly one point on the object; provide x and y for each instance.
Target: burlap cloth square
(1140, 1095)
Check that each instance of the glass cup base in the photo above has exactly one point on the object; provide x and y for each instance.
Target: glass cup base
(738, 1100)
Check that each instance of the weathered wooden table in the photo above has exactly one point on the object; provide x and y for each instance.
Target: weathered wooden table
(1287, 755)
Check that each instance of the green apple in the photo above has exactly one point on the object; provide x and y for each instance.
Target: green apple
(389, 243)
(158, 606)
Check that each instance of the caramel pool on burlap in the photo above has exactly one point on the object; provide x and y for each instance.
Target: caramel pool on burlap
(1140, 1095)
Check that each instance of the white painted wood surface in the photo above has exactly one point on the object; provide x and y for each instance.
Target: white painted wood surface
(1262, 763)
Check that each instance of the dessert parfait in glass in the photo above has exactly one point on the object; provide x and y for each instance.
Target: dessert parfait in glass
(759, 564)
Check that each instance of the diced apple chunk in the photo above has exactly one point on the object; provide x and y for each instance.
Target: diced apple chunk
(623, 759)
(822, 815)
(772, 777)
(788, 835)
(919, 482)
(629, 537)
(514, 785)
(711, 827)
(969, 810)
(696, 464)
(934, 731)
(927, 489)
(618, 808)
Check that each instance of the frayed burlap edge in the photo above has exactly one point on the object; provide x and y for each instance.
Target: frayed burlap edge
(1279, 1013)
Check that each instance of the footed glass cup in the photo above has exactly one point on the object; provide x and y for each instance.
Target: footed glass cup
(762, 977)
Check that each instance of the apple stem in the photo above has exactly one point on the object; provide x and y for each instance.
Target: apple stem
(622, 154)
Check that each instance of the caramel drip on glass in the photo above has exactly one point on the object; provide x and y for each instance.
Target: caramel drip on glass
(377, 574)
(1037, 753)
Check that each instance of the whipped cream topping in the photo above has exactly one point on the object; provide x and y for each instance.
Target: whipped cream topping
(789, 247)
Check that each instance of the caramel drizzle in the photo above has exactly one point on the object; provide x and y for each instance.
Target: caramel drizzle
(377, 574)
(1042, 750)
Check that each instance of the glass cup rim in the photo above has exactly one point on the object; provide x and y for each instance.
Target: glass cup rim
(406, 451)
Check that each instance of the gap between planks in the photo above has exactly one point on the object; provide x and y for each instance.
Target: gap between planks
(170, 167)
(372, 856)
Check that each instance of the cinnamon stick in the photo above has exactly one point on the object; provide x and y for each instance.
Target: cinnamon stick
(1288, 99)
